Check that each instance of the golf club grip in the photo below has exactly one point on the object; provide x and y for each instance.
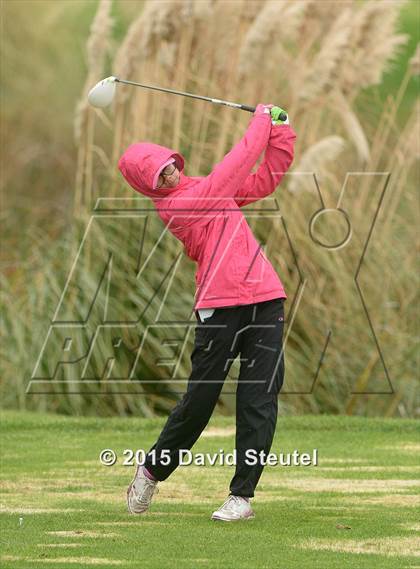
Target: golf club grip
(248, 108)
(282, 116)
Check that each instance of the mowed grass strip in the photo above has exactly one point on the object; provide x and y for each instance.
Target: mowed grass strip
(357, 509)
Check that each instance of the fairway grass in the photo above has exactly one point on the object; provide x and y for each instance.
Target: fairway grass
(359, 508)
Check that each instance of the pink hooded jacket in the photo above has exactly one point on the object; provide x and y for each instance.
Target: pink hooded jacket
(204, 212)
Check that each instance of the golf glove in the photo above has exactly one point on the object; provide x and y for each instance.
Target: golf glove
(274, 111)
(275, 116)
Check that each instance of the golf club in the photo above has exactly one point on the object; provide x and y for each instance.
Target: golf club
(102, 94)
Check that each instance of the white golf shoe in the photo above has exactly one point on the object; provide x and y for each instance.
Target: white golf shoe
(140, 492)
(235, 508)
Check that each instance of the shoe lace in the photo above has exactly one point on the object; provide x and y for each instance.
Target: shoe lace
(230, 502)
(144, 498)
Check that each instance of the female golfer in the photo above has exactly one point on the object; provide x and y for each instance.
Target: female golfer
(238, 306)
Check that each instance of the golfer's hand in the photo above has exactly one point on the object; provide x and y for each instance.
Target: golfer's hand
(262, 109)
(276, 113)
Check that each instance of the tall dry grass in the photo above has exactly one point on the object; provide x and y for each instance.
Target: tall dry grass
(317, 66)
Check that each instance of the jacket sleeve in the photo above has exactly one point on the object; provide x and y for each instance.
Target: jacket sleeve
(215, 191)
(230, 174)
(277, 160)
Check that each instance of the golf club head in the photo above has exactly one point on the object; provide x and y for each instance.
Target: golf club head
(102, 94)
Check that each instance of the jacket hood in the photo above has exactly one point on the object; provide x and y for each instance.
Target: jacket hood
(141, 163)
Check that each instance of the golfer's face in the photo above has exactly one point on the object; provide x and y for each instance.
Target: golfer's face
(172, 180)
(170, 177)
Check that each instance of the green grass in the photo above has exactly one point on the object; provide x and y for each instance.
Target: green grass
(366, 479)
(408, 23)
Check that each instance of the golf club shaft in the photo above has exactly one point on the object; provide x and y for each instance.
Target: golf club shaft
(184, 94)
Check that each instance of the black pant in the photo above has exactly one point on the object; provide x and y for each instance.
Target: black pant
(256, 332)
